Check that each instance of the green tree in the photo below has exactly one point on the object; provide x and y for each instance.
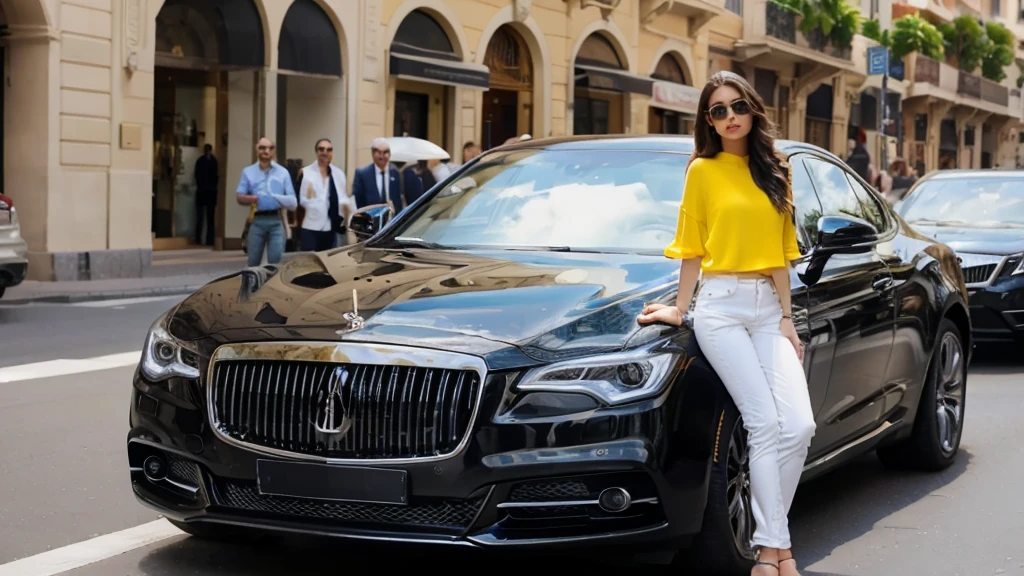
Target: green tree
(1000, 51)
(911, 33)
(838, 20)
(965, 40)
(873, 29)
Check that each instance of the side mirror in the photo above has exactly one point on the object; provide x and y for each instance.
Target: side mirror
(369, 220)
(837, 235)
(844, 235)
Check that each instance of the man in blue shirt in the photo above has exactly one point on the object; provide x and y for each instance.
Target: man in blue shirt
(268, 185)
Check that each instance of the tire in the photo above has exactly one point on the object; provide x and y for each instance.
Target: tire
(2, 290)
(931, 445)
(723, 546)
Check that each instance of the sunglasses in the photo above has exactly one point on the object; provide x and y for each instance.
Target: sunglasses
(721, 111)
(324, 149)
(263, 148)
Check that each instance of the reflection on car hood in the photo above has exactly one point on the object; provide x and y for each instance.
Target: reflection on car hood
(1000, 241)
(548, 304)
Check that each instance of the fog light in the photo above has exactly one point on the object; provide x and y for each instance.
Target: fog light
(154, 468)
(614, 500)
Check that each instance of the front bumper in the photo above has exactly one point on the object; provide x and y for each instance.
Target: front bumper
(997, 312)
(514, 484)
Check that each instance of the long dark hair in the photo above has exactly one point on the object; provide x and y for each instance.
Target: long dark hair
(767, 168)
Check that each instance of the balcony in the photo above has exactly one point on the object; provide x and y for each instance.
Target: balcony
(777, 37)
(934, 79)
(698, 13)
(935, 11)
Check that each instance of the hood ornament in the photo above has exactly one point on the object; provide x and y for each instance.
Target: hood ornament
(355, 321)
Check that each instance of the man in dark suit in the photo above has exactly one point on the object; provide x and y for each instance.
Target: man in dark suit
(207, 179)
(381, 183)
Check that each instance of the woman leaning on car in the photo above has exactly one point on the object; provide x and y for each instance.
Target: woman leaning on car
(736, 227)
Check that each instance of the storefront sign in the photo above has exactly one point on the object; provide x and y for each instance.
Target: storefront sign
(678, 97)
(439, 71)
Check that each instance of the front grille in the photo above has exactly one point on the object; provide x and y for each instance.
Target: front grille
(978, 274)
(354, 411)
(438, 514)
(554, 490)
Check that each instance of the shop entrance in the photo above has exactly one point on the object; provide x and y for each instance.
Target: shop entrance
(197, 42)
(508, 104)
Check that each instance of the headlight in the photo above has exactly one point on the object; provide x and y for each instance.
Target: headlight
(612, 379)
(164, 356)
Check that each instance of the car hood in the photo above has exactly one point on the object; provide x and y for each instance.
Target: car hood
(548, 305)
(999, 241)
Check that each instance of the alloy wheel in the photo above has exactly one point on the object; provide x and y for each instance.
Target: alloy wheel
(949, 390)
(741, 513)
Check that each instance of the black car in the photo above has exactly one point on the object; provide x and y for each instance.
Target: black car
(473, 373)
(979, 214)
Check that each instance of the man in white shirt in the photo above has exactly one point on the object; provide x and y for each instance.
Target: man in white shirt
(327, 206)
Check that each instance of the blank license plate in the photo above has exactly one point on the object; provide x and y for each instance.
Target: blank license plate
(326, 482)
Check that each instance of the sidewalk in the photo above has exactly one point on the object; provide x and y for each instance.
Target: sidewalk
(176, 272)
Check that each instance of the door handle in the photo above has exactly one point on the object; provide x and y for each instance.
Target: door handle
(882, 282)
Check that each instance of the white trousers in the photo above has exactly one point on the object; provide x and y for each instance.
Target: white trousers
(736, 322)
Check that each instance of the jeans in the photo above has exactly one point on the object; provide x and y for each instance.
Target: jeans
(205, 214)
(736, 322)
(266, 232)
(316, 241)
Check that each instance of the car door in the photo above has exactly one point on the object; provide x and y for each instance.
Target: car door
(851, 311)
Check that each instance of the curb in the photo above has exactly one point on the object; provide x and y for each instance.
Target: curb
(97, 296)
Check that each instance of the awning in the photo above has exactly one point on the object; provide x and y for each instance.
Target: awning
(610, 79)
(438, 71)
(677, 97)
(309, 43)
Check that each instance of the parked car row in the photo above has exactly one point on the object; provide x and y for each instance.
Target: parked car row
(13, 264)
(980, 214)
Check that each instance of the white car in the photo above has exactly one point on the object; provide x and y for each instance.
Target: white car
(13, 264)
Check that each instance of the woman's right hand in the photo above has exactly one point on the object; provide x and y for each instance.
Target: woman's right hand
(652, 313)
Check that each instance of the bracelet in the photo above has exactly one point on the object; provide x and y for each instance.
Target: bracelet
(790, 316)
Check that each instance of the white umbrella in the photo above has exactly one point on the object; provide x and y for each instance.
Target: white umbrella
(408, 149)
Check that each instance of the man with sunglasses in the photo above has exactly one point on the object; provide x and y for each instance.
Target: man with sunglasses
(382, 183)
(267, 185)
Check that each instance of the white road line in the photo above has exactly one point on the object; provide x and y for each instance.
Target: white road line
(91, 551)
(121, 302)
(63, 367)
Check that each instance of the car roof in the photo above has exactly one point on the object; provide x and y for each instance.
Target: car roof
(640, 142)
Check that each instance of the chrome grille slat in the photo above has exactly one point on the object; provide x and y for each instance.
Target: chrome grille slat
(393, 412)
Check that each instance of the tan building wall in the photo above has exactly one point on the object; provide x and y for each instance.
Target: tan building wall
(83, 166)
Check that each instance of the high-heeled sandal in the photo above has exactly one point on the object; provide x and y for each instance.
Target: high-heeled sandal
(763, 563)
(790, 559)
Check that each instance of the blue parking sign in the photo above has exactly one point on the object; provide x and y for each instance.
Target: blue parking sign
(878, 60)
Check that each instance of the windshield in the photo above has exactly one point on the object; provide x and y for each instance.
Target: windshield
(578, 200)
(989, 202)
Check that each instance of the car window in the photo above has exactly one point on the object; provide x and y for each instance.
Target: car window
(808, 208)
(872, 211)
(834, 190)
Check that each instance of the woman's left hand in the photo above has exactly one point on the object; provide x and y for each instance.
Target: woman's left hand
(789, 331)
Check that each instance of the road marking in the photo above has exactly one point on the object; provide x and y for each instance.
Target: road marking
(63, 367)
(91, 551)
(120, 302)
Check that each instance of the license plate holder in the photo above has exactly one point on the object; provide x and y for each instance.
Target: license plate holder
(332, 483)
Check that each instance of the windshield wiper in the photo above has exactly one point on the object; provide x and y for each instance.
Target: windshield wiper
(407, 242)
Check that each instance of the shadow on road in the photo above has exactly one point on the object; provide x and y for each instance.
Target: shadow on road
(849, 502)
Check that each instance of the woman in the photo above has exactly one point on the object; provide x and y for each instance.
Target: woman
(322, 195)
(736, 228)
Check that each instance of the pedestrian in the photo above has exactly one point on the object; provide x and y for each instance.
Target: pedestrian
(267, 186)
(736, 228)
(382, 183)
(327, 205)
(207, 179)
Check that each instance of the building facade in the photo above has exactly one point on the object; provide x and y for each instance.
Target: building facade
(108, 103)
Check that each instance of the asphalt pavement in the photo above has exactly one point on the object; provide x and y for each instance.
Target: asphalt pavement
(66, 506)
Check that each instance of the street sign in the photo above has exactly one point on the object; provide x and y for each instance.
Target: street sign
(878, 60)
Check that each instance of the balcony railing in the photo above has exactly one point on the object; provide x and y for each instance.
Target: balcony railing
(780, 23)
(926, 71)
(969, 85)
(994, 92)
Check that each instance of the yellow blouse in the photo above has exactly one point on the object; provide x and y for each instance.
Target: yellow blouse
(729, 222)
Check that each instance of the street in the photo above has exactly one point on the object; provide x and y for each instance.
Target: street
(64, 481)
